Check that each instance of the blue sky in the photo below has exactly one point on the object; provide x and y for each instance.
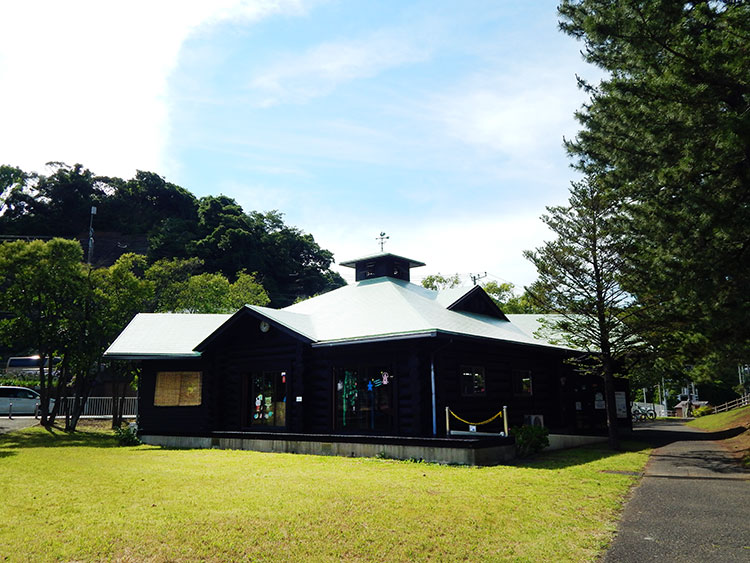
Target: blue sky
(438, 122)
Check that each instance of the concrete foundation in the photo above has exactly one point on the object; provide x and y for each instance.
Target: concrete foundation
(440, 452)
(563, 441)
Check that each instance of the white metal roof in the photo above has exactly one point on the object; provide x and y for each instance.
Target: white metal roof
(375, 309)
(154, 335)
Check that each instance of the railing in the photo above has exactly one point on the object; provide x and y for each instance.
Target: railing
(102, 406)
(731, 405)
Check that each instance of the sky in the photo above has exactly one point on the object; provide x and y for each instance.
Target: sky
(440, 123)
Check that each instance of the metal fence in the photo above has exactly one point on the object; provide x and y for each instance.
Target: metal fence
(731, 405)
(102, 406)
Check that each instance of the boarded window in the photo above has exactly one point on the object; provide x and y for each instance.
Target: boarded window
(178, 389)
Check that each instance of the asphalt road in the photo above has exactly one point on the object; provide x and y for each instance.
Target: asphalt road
(16, 423)
(692, 505)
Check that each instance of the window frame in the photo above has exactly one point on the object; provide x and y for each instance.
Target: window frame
(183, 394)
(472, 370)
(519, 388)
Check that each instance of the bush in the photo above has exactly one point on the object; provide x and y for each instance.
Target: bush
(127, 436)
(703, 411)
(530, 439)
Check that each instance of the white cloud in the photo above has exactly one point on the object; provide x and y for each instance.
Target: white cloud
(87, 81)
(299, 77)
(519, 114)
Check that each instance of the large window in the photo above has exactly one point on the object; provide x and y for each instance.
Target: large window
(472, 381)
(268, 399)
(178, 389)
(364, 399)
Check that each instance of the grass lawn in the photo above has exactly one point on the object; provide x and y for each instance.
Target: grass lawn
(732, 420)
(81, 498)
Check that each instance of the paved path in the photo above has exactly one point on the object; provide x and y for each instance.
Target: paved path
(16, 423)
(693, 503)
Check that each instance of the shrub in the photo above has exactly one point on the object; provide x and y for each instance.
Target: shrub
(530, 439)
(703, 411)
(127, 436)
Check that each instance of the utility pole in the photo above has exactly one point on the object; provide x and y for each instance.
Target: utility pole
(477, 277)
(91, 236)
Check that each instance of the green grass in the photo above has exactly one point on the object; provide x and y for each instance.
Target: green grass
(722, 420)
(737, 421)
(80, 498)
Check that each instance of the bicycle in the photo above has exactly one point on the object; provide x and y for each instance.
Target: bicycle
(641, 414)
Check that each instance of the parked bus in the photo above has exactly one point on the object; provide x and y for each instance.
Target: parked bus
(27, 365)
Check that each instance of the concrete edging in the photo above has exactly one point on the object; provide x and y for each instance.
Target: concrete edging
(491, 455)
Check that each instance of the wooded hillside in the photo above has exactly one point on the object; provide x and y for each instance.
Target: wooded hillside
(149, 215)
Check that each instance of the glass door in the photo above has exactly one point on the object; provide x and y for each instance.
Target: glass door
(364, 399)
(267, 398)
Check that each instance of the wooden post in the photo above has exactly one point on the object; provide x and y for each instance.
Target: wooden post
(505, 419)
(447, 421)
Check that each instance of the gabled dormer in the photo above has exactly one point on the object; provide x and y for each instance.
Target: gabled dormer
(382, 265)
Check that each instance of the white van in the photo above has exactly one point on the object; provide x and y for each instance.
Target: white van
(23, 399)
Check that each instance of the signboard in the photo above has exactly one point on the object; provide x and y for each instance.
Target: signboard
(621, 405)
(599, 401)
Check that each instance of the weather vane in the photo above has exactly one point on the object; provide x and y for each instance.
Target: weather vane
(381, 239)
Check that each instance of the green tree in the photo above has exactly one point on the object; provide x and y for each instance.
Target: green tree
(201, 293)
(581, 269)
(247, 291)
(668, 130)
(108, 300)
(167, 277)
(41, 283)
(504, 294)
(438, 282)
(293, 265)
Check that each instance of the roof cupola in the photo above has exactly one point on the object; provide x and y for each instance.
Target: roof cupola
(380, 265)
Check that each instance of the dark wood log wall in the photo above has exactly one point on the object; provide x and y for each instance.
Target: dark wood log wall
(500, 361)
(173, 420)
(244, 349)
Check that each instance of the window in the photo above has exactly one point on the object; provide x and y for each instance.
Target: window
(522, 386)
(268, 399)
(364, 398)
(178, 389)
(472, 381)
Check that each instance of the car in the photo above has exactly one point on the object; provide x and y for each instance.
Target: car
(23, 399)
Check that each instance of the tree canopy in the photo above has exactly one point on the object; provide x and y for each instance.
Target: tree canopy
(170, 222)
(60, 307)
(668, 132)
(582, 269)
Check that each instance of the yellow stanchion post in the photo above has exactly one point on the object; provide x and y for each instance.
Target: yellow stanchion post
(505, 419)
(447, 421)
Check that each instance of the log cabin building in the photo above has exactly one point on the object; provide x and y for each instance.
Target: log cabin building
(367, 368)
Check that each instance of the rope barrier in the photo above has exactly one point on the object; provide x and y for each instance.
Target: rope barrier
(499, 414)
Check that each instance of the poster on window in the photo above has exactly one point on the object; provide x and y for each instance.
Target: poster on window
(599, 401)
(620, 405)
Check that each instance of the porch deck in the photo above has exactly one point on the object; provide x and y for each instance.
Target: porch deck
(463, 450)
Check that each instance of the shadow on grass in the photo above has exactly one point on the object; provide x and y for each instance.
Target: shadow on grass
(560, 459)
(55, 437)
(663, 434)
(641, 440)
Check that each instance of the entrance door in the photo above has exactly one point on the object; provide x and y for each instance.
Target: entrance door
(267, 399)
(364, 399)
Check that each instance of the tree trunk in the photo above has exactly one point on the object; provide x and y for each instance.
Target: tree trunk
(609, 399)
